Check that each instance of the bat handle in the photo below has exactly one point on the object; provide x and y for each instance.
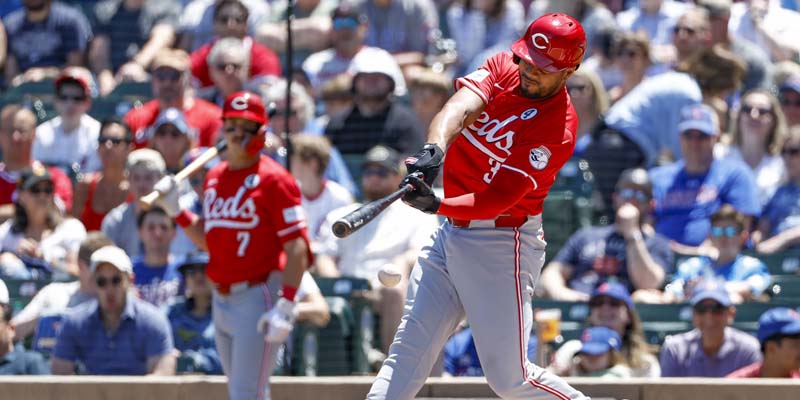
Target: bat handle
(146, 201)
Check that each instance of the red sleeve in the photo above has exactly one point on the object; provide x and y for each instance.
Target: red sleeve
(138, 119)
(264, 61)
(199, 65)
(63, 187)
(482, 81)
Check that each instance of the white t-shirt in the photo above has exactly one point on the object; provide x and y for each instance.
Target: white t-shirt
(307, 286)
(396, 230)
(333, 196)
(54, 146)
(326, 64)
(769, 173)
(54, 298)
(65, 238)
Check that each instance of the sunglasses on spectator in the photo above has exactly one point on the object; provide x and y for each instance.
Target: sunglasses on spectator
(695, 135)
(345, 23)
(678, 29)
(787, 102)
(239, 19)
(167, 75)
(373, 171)
(747, 109)
(790, 151)
(228, 67)
(577, 88)
(604, 300)
(77, 99)
(115, 141)
(716, 309)
(629, 53)
(103, 281)
(191, 270)
(724, 231)
(633, 194)
(46, 189)
(174, 133)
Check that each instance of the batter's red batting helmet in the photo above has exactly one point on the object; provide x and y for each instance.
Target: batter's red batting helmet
(553, 42)
(245, 105)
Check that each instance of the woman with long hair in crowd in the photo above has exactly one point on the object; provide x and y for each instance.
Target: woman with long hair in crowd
(590, 100)
(632, 58)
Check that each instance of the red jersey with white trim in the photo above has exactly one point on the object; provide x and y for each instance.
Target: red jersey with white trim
(248, 215)
(531, 137)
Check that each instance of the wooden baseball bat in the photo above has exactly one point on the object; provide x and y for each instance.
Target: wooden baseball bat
(352, 222)
(146, 201)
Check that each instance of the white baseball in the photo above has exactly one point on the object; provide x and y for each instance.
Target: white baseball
(389, 275)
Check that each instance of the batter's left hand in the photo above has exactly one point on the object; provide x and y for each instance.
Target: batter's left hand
(422, 197)
(278, 322)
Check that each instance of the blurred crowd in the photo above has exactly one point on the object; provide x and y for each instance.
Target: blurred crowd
(689, 122)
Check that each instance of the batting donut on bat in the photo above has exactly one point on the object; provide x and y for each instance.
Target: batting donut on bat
(254, 231)
(507, 131)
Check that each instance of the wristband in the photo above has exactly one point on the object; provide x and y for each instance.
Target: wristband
(288, 292)
(185, 218)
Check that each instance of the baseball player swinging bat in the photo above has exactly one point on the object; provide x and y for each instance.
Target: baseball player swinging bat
(352, 222)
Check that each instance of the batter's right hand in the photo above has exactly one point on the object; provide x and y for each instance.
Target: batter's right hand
(427, 161)
(168, 200)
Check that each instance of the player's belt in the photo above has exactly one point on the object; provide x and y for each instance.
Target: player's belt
(237, 287)
(506, 221)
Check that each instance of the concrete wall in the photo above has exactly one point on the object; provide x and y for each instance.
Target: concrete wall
(353, 388)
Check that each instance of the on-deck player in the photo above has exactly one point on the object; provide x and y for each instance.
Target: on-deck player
(508, 130)
(254, 231)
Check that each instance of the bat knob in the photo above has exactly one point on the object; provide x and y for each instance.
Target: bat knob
(341, 228)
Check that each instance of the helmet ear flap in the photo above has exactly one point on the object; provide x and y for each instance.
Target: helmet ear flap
(255, 142)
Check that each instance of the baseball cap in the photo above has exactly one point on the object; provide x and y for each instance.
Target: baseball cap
(778, 321)
(175, 117)
(636, 177)
(194, 258)
(615, 290)
(699, 117)
(599, 340)
(4, 299)
(711, 291)
(791, 83)
(347, 15)
(245, 105)
(111, 255)
(552, 42)
(171, 58)
(73, 75)
(384, 156)
(148, 159)
(32, 175)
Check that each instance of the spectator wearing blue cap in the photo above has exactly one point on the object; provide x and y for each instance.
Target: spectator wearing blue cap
(779, 334)
(689, 191)
(790, 99)
(713, 348)
(172, 137)
(600, 355)
(611, 306)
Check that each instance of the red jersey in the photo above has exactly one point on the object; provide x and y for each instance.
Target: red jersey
(263, 62)
(754, 371)
(202, 116)
(530, 137)
(248, 215)
(62, 186)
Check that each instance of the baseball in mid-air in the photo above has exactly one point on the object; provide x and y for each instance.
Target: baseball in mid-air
(389, 275)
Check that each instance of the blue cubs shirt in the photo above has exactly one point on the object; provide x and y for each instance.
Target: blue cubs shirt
(741, 269)
(157, 285)
(783, 209)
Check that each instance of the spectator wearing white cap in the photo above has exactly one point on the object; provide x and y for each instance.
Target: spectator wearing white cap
(15, 360)
(118, 334)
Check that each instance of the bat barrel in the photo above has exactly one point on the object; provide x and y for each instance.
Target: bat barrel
(342, 228)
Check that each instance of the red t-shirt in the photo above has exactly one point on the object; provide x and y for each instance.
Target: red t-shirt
(513, 135)
(248, 215)
(62, 186)
(754, 371)
(263, 62)
(202, 116)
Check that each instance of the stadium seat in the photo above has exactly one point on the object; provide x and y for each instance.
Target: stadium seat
(353, 163)
(570, 311)
(21, 291)
(133, 91)
(664, 312)
(783, 263)
(26, 92)
(333, 354)
(785, 288)
(47, 330)
(363, 337)
(106, 107)
(303, 352)
(656, 332)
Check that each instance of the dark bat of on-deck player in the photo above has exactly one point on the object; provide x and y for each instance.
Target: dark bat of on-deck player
(352, 222)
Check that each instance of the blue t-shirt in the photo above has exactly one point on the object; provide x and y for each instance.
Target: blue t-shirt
(194, 337)
(598, 253)
(461, 356)
(157, 285)
(783, 209)
(650, 113)
(741, 269)
(684, 202)
(143, 332)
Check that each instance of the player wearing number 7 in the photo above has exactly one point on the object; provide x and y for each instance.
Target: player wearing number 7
(507, 130)
(253, 229)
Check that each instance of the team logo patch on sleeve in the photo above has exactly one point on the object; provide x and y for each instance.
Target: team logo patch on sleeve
(539, 157)
(528, 114)
(293, 214)
(478, 75)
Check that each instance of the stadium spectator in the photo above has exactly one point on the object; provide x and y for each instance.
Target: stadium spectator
(713, 348)
(197, 179)
(98, 193)
(601, 60)
(611, 306)
(629, 251)
(42, 38)
(401, 27)
(779, 225)
(744, 277)
(632, 57)
(171, 136)
(599, 355)
(336, 97)
(773, 28)
(155, 273)
(144, 168)
(310, 158)
(128, 35)
(590, 100)
(17, 133)
(311, 28)
(300, 120)
(689, 191)
(642, 128)
(759, 128)
(312, 309)
(258, 64)
(190, 319)
(197, 23)
(460, 356)
(227, 59)
(69, 140)
(429, 91)
(779, 334)
(170, 80)
(138, 333)
(14, 359)
(377, 117)
(790, 99)
(692, 33)
(57, 297)
(393, 237)
(349, 51)
(38, 242)
(656, 19)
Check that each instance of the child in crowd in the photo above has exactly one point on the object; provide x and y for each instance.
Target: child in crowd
(600, 355)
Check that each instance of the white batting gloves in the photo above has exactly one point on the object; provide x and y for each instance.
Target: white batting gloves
(169, 195)
(278, 322)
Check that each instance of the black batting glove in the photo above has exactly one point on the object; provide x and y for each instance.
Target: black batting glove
(422, 197)
(427, 161)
